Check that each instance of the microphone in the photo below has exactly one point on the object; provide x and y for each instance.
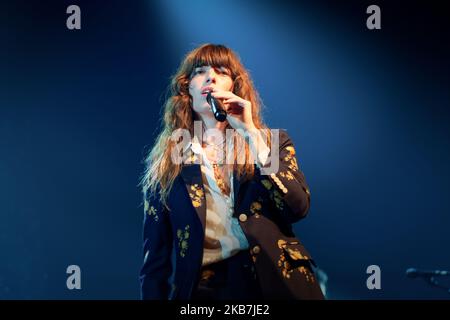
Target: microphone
(216, 107)
(414, 273)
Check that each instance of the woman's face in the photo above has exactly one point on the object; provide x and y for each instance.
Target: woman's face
(205, 79)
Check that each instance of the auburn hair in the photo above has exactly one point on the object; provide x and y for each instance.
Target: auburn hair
(160, 171)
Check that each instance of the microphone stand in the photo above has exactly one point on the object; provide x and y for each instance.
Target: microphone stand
(434, 283)
(430, 277)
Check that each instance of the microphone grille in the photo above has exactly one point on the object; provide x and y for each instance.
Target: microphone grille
(411, 272)
(208, 97)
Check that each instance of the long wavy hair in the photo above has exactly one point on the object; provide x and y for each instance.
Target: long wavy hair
(160, 171)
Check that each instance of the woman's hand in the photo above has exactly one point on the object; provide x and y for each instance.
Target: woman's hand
(239, 111)
(239, 116)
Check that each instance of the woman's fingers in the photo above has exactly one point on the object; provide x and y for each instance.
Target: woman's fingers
(239, 110)
(234, 109)
(230, 97)
(241, 102)
(235, 105)
(223, 94)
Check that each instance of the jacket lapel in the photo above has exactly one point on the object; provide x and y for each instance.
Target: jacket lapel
(236, 186)
(192, 177)
(237, 183)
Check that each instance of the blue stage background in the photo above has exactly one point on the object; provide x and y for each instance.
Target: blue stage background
(368, 112)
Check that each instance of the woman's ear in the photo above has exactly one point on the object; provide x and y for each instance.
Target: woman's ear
(188, 85)
(236, 84)
(185, 87)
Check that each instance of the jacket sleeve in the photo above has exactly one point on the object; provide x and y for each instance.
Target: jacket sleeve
(157, 247)
(287, 186)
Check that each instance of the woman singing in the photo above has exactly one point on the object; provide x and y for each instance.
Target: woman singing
(220, 197)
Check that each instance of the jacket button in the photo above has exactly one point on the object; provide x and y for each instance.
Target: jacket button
(242, 217)
(256, 249)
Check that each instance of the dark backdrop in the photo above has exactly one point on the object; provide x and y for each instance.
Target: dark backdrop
(367, 110)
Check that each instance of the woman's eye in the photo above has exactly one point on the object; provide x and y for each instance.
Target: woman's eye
(218, 71)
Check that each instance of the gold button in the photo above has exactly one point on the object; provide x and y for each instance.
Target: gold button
(256, 249)
(307, 192)
(242, 217)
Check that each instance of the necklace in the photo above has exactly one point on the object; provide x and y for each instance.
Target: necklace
(221, 183)
(215, 154)
(205, 141)
(215, 145)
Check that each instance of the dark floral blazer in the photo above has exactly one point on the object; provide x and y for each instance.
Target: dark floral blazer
(266, 207)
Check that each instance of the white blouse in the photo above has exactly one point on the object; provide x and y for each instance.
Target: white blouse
(223, 234)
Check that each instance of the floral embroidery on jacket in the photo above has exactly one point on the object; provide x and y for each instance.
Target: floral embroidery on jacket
(275, 196)
(196, 195)
(288, 175)
(192, 158)
(255, 207)
(183, 236)
(290, 158)
(151, 210)
(291, 150)
(294, 254)
(278, 199)
(266, 183)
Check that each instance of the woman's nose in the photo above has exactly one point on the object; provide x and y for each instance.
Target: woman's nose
(211, 76)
